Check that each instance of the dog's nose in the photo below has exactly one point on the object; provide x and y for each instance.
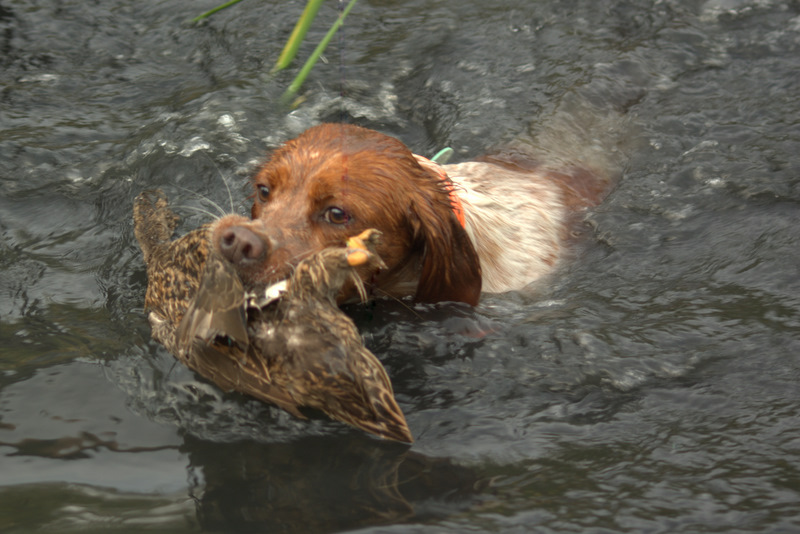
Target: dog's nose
(239, 244)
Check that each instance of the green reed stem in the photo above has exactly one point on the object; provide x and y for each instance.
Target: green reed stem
(298, 34)
(211, 12)
(312, 60)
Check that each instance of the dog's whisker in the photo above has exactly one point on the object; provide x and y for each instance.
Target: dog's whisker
(205, 199)
(224, 181)
(214, 217)
(387, 295)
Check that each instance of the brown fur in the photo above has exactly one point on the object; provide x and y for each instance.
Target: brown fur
(518, 214)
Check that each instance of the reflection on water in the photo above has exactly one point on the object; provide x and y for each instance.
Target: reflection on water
(649, 385)
(321, 484)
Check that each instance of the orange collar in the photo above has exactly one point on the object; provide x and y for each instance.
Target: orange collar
(455, 202)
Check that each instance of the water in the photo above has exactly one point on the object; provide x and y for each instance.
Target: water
(651, 385)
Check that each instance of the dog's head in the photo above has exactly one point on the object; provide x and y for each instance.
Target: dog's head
(337, 180)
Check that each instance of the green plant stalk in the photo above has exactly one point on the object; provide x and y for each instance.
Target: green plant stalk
(298, 34)
(312, 60)
(211, 12)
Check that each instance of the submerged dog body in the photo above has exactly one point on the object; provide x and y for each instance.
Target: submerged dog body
(450, 231)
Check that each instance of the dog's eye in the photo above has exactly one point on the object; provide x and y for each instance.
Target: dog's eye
(336, 215)
(263, 192)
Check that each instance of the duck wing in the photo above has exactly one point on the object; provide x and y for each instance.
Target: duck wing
(324, 365)
(217, 310)
(214, 338)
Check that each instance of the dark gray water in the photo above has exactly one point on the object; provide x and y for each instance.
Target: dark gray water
(650, 386)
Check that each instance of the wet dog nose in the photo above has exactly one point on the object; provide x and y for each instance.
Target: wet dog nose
(239, 244)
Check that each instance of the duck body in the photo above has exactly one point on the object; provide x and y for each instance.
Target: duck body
(289, 345)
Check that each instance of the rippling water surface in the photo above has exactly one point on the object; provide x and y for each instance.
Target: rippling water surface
(651, 385)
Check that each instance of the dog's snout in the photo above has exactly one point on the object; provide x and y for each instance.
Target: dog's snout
(239, 244)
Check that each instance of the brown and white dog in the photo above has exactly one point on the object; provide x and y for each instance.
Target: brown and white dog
(449, 231)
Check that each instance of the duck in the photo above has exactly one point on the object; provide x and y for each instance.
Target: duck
(288, 344)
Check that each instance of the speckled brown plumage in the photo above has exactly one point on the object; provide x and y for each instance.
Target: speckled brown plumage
(174, 268)
(296, 351)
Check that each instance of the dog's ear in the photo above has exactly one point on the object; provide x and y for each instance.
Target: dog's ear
(451, 270)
